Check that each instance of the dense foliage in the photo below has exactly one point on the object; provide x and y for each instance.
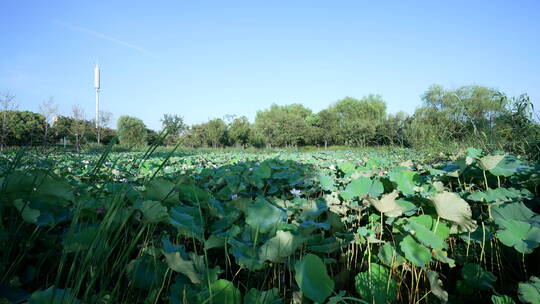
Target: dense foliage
(461, 117)
(131, 131)
(323, 227)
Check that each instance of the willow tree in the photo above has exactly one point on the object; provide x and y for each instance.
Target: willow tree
(358, 119)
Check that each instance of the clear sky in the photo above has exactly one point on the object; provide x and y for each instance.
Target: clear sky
(206, 59)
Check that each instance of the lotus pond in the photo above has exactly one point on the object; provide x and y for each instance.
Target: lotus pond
(366, 226)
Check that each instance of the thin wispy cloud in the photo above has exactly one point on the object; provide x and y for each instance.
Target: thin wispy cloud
(100, 35)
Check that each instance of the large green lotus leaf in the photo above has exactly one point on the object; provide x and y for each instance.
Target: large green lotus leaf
(312, 278)
(475, 277)
(327, 183)
(263, 216)
(497, 195)
(408, 207)
(56, 188)
(214, 241)
(262, 171)
(153, 211)
(442, 256)
(224, 292)
(28, 214)
(52, 210)
(502, 300)
(346, 167)
(177, 261)
(387, 204)
(473, 152)
(405, 179)
(226, 221)
(246, 255)
(522, 236)
(529, 292)
(280, 246)
(18, 182)
(514, 211)
(241, 203)
(376, 188)
(53, 295)
(193, 194)
(436, 286)
(489, 162)
(389, 256)
(415, 252)
(146, 272)
(160, 189)
(508, 166)
(376, 285)
(346, 195)
(426, 236)
(477, 196)
(188, 221)
(357, 188)
(452, 207)
(255, 296)
(312, 209)
(453, 169)
(439, 227)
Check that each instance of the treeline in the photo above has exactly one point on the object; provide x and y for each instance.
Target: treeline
(474, 114)
(470, 114)
(26, 128)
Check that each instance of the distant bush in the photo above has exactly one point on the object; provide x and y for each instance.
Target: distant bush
(131, 131)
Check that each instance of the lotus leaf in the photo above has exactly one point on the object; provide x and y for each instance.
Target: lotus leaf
(312, 278)
(263, 216)
(529, 292)
(451, 207)
(376, 285)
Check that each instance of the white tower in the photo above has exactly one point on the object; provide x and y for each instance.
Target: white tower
(96, 86)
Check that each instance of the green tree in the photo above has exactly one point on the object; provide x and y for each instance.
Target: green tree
(472, 110)
(283, 125)
(327, 121)
(25, 128)
(48, 109)
(195, 136)
(239, 131)
(6, 105)
(392, 130)
(61, 127)
(79, 126)
(131, 131)
(358, 119)
(515, 129)
(174, 126)
(216, 132)
(429, 127)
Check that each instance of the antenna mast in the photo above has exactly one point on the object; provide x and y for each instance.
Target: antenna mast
(96, 86)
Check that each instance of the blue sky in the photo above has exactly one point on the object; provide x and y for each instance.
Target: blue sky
(206, 59)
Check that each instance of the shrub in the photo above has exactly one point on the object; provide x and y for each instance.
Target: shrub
(131, 131)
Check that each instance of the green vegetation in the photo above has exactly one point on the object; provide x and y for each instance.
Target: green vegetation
(446, 119)
(393, 210)
(131, 131)
(360, 226)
